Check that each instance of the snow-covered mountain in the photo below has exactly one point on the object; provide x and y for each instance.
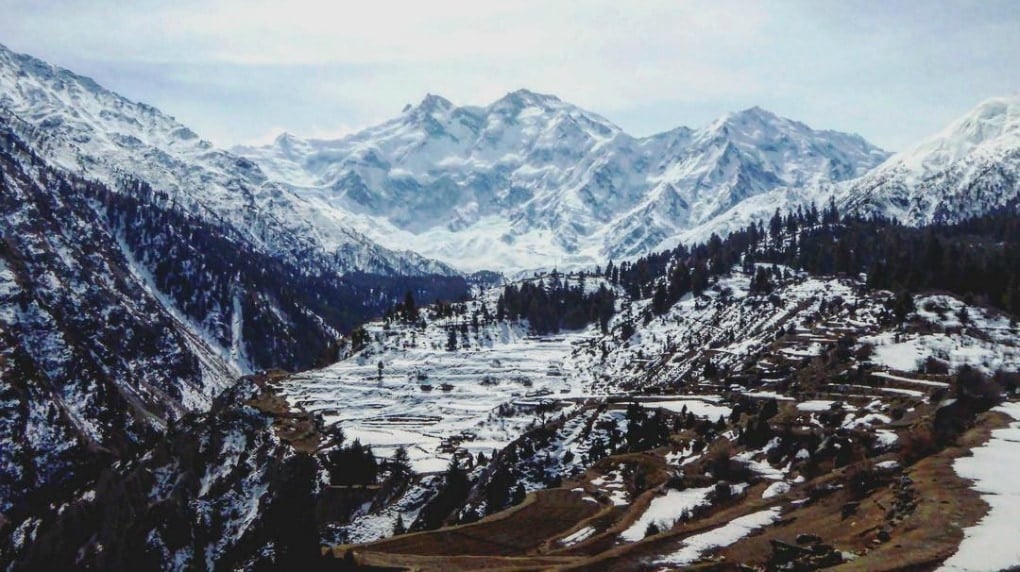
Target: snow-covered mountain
(532, 181)
(119, 315)
(969, 168)
(142, 271)
(94, 133)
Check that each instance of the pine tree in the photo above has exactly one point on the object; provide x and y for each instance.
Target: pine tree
(652, 529)
(519, 494)
(401, 461)
(776, 225)
(660, 301)
(410, 309)
(500, 309)
(902, 306)
(699, 278)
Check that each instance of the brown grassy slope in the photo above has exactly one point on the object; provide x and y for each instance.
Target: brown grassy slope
(516, 532)
(921, 541)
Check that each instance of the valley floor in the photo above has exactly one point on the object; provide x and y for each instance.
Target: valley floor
(826, 436)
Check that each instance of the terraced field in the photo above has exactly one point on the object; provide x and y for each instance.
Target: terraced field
(843, 469)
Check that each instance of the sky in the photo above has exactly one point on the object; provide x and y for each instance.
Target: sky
(243, 71)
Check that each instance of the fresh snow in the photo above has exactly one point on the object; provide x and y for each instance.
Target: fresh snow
(775, 489)
(530, 181)
(991, 543)
(666, 509)
(695, 547)
(884, 375)
(99, 135)
(815, 405)
(579, 536)
(429, 396)
(694, 406)
(967, 169)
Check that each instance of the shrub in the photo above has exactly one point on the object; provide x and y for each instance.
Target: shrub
(722, 492)
(933, 365)
(652, 529)
(862, 479)
(865, 352)
(1009, 381)
(972, 383)
(916, 444)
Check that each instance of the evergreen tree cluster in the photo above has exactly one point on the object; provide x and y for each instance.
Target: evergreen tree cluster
(290, 313)
(447, 501)
(406, 311)
(548, 308)
(977, 259)
(669, 275)
(646, 430)
(354, 464)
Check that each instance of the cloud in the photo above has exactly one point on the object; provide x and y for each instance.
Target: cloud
(233, 69)
(317, 132)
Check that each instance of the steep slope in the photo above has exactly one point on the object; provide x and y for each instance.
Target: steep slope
(530, 180)
(119, 314)
(141, 272)
(970, 168)
(735, 159)
(825, 353)
(87, 130)
(92, 362)
(231, 489)
(743, 389)
(797, 402)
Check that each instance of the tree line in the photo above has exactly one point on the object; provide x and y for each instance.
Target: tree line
(977, 259)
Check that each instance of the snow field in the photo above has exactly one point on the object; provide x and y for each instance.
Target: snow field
(665, 510)
(991, 543)
(695, 547)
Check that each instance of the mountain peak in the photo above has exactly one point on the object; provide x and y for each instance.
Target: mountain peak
(752, 115)
(287, 142)
(993, 123)
(284, 138)
(756, 112)
(522, 98)
(967, 168)
(754, 122)
(991, 118)
(432, 102)
(532, 96)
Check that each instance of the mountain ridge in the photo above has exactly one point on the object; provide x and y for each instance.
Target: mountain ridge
(93, 132)
(969, 168)
(142, 271)
(477, 185)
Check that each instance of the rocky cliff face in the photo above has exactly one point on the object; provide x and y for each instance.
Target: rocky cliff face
(231, 489)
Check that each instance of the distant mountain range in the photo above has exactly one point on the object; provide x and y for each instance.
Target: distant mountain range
(969, 168)
(531, 181)
(143, 270)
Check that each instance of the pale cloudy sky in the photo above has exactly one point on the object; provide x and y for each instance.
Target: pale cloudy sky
(243, 70)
